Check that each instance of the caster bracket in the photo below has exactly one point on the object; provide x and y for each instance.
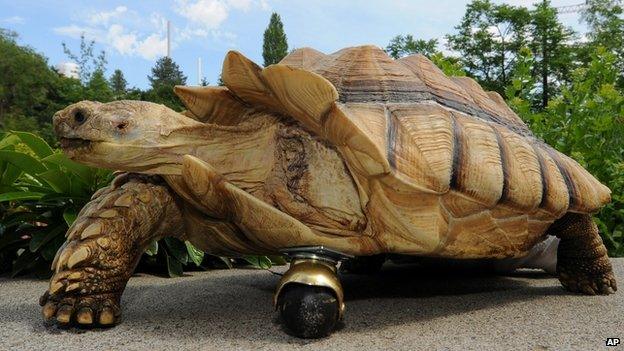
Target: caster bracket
(313, 266)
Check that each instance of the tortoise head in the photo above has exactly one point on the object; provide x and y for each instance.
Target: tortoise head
(126, 135)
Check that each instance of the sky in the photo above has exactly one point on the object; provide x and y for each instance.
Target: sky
(133, 33)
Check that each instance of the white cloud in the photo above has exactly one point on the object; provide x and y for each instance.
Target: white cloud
(123, 42)
(206, 13)
(264, 5)
(244, 5)
(13, 20)
(75, 31)
(210, 14)
(152, 47)
(205, 18)
(158, 21)
(104, 17)
(128, 32)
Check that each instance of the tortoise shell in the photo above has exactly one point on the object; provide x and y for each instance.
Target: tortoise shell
(433, 151)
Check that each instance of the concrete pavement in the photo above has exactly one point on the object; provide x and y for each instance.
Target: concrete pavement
(403, 308)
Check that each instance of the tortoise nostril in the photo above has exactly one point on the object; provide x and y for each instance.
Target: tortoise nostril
(121, 125)
(79, 117)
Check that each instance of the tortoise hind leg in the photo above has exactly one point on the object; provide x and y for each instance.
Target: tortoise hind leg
(582, 262)
(103, 247)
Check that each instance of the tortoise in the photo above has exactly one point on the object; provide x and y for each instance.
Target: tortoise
(321, 157)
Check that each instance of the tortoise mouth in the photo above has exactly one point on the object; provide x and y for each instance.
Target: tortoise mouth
(75, 143)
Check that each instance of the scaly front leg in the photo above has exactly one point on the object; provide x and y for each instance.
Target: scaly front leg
(103, 248)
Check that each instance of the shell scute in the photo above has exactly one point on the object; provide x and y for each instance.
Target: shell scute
(421, 144)
(479, 171)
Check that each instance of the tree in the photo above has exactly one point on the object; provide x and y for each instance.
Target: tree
(165, 75)
(204, 82)
(98, 88)
(118, 84)
(29, 93)
(449, 65)
(606, 29)
(488, 40)
(85, 59)
(552, 55)
(404, 45)
(275, 47)
(166, 72)
(25, 75)
(520, 91)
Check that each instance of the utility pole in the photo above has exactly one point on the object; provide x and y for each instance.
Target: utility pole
(199, 71)
(168, 38)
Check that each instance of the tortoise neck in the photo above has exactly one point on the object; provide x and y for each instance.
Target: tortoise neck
(243, 154)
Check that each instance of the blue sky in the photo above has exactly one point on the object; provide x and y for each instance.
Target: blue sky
(133, 32)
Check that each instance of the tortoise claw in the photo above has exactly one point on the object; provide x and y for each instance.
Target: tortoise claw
(81, 311)
(85, 316)
(602, 284)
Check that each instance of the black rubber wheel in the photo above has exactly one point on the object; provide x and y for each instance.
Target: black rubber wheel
(308, 312)
(366, 265)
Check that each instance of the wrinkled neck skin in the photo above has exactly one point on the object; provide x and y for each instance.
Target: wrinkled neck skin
(243, 154)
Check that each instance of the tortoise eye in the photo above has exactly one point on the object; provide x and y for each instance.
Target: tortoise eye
(79, 117)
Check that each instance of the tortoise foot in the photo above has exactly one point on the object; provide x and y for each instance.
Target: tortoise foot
(308, 311)
(587, 283)
(583, 265)
(86, 311)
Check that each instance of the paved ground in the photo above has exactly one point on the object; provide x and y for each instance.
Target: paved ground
(401, 309)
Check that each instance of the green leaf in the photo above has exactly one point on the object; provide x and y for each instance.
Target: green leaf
(10, 174)
(227, 261)
(277, 260)
(196, 255)
(19, 217)
(78, 188)
(174, 267)
(261, 262)
(53, 196)
(20, 195)
(9, 140)
(23, 161)
(177, 249)
(7, 239)
(35, 143)
(69, 215)
(23, 262)
(58, 180)
(41, 238)
(152, 249)
(8, 189)
(49, 250)
(85, 173)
